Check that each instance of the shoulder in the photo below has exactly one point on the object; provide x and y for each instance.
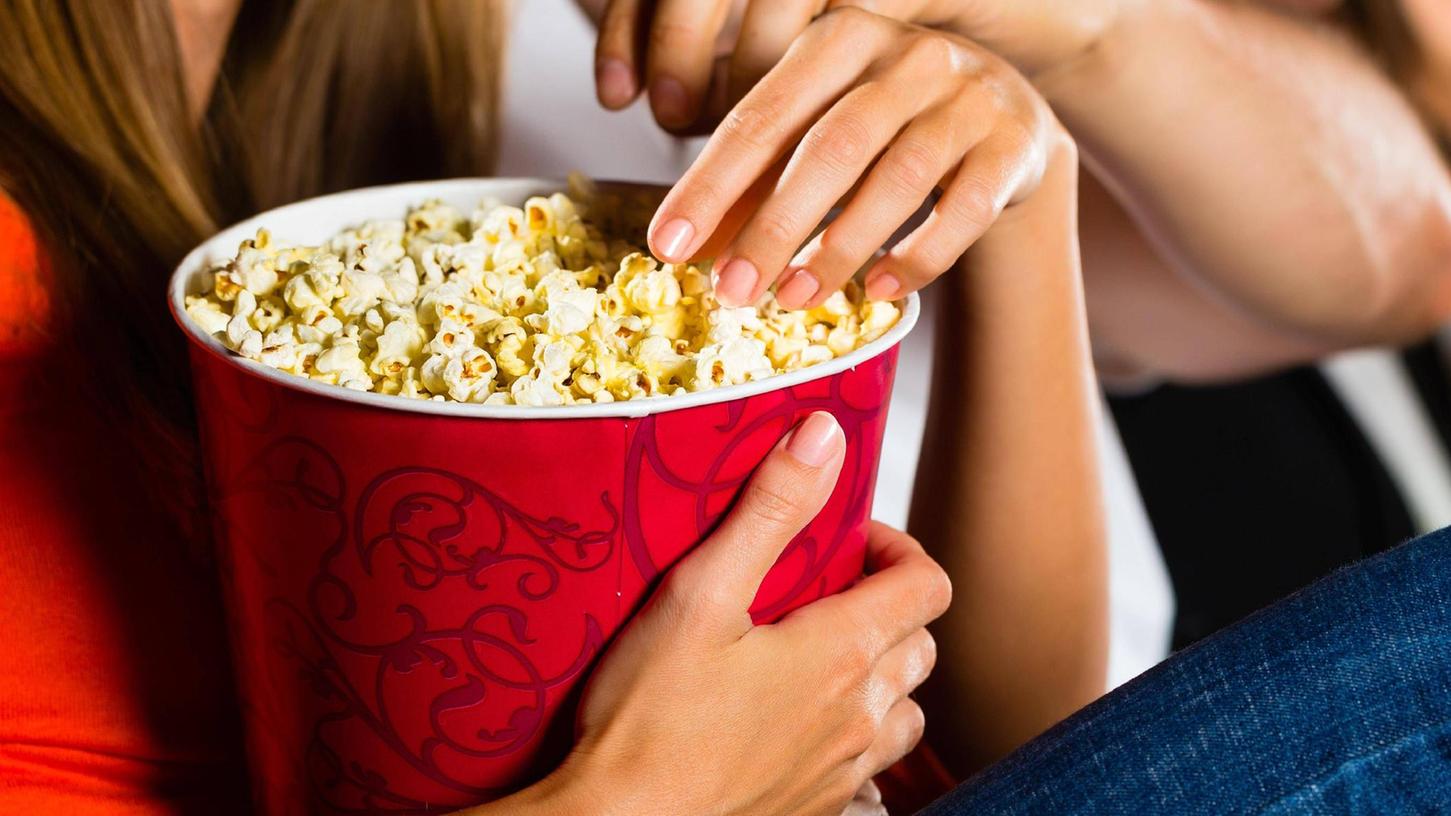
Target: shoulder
(24, 293)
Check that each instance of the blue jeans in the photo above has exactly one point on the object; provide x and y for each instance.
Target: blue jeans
(1334, 700)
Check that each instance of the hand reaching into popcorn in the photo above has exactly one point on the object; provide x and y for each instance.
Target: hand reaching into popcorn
(695, 710)
(859, 103)
(697, 58)
(1172, 206)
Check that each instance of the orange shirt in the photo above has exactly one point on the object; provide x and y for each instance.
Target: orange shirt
(115, 688)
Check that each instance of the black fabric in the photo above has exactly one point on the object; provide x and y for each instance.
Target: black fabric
(1427, 369)
(1255, 490)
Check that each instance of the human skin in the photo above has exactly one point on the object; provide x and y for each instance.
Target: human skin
(1007, 494)
(1261, 194)
(1276, 193)
(1329, 227)
(202, 28)
(860, 102)
(695, 710)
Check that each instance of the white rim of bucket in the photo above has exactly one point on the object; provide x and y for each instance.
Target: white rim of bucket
(224, 245)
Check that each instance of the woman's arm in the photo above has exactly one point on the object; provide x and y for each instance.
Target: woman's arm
(1132, 295)
(1289, 190)
(1276, 171)
(1007, 490)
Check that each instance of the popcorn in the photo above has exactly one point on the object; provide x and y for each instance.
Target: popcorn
(361, 291)
(655, 355)
(208, 313)
(452, 340)
(400, 343)
(737, 360)
(571, 309)
(470, 376)
(536, 305)
(654, 292)
(342, 364)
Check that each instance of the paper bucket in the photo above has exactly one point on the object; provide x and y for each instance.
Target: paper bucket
(417, 590)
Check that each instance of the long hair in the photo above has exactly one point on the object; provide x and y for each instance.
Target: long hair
(100, 151)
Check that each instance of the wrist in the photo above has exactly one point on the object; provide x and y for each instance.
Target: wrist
(1034, 41)
(589, 783)
(562, 793)
(1106, 48)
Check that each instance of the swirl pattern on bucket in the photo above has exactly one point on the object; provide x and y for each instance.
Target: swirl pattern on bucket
(416, 599)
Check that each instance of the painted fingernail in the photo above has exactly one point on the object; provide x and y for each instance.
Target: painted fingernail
(669, 102)
(616, 84)
(736, 282)
(815, 440)
(798, 289)
(673, 238)
(883, 287)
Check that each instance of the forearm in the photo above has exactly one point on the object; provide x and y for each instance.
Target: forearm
(1150, 323)
(1270, 162)
(1007, 496)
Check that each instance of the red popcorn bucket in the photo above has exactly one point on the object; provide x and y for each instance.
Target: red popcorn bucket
(417, 590)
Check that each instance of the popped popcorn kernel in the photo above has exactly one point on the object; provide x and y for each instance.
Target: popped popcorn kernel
(543, 304)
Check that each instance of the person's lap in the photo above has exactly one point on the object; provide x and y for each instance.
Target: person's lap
(1334, 700)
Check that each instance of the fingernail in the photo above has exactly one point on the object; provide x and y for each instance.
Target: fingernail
(883, 287)
(616, 84)
(798, 289)
(736, 282)
(673, 239)
(815, 440)
(669, 102)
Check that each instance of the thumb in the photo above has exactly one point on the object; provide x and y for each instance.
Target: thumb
(787, 490)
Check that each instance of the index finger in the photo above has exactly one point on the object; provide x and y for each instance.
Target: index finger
(617, 54)
(679, 56)
(757, 132)
(767, 31)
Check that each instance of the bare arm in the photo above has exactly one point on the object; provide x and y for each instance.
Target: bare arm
(1275, 170)
(1008, 492)
(1149, 322)
(1294, 203)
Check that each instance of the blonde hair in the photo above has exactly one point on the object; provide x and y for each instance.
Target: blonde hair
(99, 149)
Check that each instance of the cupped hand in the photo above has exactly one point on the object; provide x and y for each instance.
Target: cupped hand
(695, 710)
(860, 102)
